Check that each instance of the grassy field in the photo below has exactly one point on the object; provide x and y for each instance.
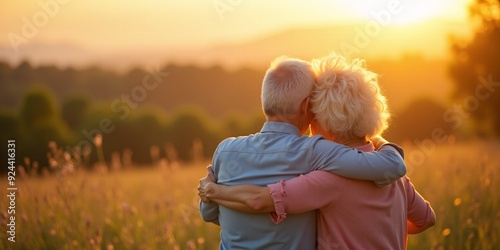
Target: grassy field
(156, 208)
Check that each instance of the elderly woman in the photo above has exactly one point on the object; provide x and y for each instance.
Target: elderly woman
(352, 214)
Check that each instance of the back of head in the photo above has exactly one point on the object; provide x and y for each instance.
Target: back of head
(287, 83)
(346, 100)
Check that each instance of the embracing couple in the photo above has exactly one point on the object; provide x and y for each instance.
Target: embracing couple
(343, 187)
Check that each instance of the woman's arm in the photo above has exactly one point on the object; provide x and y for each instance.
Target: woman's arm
(297, 195)
(244, 198)
(420, 213)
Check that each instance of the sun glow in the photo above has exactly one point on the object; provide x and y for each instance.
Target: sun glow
(404, 12)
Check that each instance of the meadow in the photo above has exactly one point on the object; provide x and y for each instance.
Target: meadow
(157, 207)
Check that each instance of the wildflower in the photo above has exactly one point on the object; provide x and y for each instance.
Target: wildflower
(98, 140)
(53, 146)
(446, 232)
(125, 206)
(457, 201)
(191, 245)
(200, 241)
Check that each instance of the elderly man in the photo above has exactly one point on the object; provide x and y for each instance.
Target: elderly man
(279, 151)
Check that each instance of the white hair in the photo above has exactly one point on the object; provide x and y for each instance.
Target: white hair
(346, 99)
(287, 82)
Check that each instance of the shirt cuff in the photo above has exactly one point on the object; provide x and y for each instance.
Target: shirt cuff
(277, 192)
(396, 146)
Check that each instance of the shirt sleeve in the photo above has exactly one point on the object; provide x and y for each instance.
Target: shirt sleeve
(210, 212)
(382, 167)
(420, 213)
(303, 193)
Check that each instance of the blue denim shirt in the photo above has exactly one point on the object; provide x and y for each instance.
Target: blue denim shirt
(279, 152)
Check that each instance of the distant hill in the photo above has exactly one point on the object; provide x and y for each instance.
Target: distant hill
(429, 39)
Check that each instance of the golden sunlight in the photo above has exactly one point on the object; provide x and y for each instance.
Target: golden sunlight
(405, 12)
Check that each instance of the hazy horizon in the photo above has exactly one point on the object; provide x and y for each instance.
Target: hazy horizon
(121, 36)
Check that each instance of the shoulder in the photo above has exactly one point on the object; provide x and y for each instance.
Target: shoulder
(230, 142)
(326, 178)
(321, 144)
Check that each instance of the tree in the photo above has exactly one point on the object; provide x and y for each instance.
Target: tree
(403, 127)
(38, 107)
(189, 126)
(238, 124)
(144, 129)
(475, 68)
(74, 110)
(40, 123)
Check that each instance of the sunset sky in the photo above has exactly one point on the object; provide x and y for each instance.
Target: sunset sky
(114, 27)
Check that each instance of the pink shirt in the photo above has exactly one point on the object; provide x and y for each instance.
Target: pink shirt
(353, 214)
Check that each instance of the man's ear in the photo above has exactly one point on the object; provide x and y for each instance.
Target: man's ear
(305, 106)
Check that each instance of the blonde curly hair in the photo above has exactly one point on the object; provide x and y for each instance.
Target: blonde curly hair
(346, 99)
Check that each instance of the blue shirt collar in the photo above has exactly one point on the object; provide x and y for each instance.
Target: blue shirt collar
(280, 127)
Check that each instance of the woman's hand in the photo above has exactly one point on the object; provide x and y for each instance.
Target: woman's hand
(211, 190)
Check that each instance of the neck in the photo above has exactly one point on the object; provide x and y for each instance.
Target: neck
(283, 118)
(352, 142)
(277, 118)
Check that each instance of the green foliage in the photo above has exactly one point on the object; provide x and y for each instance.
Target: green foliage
(238, 124)
(74, 110)
(40, 123)
(189, 125)
(476, 59)
(138, 133)
(216, 90)
(38, 107)
(144, 130)
(402, 125)
(9, 124)
(34, 142)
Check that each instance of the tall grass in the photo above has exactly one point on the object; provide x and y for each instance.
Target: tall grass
(461, 183)
(130, 209)
(153, 208)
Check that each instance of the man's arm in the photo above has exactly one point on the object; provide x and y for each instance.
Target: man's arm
(382, 167)
(210, 212)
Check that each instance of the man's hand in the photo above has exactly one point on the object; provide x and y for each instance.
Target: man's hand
(378, 141)
(209, 178)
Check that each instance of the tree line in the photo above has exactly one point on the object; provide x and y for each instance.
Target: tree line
(146, 135)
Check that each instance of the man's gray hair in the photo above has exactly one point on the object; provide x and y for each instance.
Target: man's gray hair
(287, 82)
